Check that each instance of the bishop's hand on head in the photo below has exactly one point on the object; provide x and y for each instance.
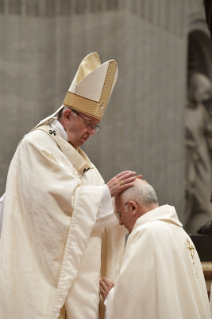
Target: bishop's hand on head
(122, 181)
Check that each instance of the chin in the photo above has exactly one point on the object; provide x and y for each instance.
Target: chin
(80, 144)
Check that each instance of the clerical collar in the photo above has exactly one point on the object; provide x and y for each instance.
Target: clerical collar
(59, 128)
(165, 213)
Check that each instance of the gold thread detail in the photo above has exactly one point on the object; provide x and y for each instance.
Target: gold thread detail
(62, 313)
(192, 252)
(90, 107)
(106, 92)
(80, 103)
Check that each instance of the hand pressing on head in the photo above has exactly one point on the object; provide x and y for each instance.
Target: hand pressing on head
(105, 286)
(121, 182)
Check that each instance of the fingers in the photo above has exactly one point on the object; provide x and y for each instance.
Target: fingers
(102, 292)
(104, 280)
(105, 283)
(127, 174)
(124, 173)
(105, 286)
(118, 183)
(129, 182)
(130, 179)
(125, 186)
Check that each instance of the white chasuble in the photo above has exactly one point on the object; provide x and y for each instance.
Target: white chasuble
(50, 254)
(161, 276)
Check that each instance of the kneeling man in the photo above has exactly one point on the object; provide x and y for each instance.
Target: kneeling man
(161, 276)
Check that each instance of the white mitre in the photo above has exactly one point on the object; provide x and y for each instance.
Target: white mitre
(91, 88)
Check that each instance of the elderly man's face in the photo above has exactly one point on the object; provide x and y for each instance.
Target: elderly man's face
(77, 129)
(125, 213)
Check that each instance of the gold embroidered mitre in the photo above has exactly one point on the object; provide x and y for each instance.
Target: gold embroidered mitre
(92, 86)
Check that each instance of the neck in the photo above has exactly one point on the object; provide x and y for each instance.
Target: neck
(59, 127)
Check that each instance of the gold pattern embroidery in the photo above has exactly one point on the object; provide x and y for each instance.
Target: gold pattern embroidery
(192, 252)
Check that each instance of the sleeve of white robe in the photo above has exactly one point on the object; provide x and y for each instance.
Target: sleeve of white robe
(45, 185)
(106, 217)
(43, 201)
(1, 212)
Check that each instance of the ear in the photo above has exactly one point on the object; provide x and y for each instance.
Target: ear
(67, 114)
(134, 206)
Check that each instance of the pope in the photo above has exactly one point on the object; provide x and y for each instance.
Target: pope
(57, 207)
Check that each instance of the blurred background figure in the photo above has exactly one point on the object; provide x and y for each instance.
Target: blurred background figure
(198, 160)
(208, 13)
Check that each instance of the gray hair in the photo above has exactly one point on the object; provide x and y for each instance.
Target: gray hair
(60, 113)
(141, 192)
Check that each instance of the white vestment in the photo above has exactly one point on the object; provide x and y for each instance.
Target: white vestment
(161, 276)
(1, 211)
(50, 249)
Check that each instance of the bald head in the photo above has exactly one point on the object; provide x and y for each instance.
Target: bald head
(134, 202)
(141, 192)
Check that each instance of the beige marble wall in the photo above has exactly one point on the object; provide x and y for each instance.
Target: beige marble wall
(42, 43)
(196, 8)
(143, 126)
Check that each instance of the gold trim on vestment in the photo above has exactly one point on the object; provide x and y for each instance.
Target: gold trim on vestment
(192, 250)
(77, 157)
(90, 107)
(62, 313)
